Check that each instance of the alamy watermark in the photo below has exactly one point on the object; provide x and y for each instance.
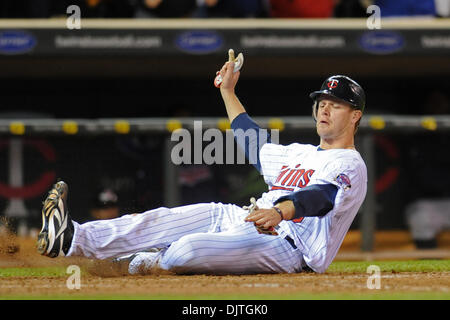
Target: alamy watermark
(74, 20)
(220, 147)
(374, 20)
(374, 280)
(74, 280)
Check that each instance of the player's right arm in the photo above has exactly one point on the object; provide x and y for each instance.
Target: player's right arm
(245, 130)
(227, 89)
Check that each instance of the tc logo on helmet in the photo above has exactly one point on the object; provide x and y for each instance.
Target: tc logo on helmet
(332, 83)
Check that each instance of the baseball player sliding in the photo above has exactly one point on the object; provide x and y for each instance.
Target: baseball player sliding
(314, 193)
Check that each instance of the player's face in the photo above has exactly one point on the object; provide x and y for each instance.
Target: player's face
(335, 118)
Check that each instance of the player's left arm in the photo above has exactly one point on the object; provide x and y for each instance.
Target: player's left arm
(311, 201)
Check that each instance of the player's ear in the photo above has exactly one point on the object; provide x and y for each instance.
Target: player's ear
(357, 114)
(314, 111)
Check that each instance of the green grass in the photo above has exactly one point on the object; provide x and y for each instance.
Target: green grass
(33, 272)
(391, 266)
(337, 266)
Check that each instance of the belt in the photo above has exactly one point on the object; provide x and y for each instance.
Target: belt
(291, 241)
(305, 267)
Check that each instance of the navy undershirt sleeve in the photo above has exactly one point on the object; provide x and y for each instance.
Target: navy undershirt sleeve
(249, 137)
(312, 201)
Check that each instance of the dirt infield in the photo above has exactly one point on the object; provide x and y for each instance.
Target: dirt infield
(102, 279)
(282, 286)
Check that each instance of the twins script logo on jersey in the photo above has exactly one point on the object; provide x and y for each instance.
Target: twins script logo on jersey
(290, 178)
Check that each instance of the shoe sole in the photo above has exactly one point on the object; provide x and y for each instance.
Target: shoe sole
(42, 243)
(51, 204)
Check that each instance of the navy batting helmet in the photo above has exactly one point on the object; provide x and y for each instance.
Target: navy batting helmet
(342, 88)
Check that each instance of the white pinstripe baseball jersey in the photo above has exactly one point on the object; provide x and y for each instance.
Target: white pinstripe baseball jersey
(289, 168)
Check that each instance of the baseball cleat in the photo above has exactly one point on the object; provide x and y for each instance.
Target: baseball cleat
(142, 263)
(56, 234)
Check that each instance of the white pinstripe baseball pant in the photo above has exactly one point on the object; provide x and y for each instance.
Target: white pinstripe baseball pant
(198, 238)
